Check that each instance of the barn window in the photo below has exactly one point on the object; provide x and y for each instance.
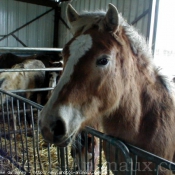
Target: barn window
(164, 55)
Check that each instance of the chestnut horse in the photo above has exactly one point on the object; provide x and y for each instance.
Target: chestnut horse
(109, 76)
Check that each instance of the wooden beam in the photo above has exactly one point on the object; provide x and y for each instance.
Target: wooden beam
(41, 2)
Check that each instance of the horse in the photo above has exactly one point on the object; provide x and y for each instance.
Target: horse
(22, 81)
(8, 60)
(109, 78)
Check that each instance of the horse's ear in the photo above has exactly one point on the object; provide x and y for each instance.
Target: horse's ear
(72, 14)
(112, 18)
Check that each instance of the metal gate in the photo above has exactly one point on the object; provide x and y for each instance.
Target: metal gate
(23, 151)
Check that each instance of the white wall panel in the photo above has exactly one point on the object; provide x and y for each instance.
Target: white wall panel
(130, 9)
(14, 14)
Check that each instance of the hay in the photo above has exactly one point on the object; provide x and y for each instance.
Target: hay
(32, 154)
(21, 154)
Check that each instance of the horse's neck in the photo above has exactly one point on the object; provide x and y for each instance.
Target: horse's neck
(141, 107)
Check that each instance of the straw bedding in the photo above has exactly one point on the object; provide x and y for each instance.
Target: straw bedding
(23, 150)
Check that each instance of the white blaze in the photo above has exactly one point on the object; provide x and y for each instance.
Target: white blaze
(68, 113)
(77, 49)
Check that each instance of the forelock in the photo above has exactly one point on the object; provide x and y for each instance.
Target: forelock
(88, 19)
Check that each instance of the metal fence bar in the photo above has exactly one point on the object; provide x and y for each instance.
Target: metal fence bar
(31, 70)
(62, 154)
(31, 49)
(100, 156)
(14, 163)
(33, 131)
(151, 157)
(129, 152)
(37, 140)
(86, 150)
(39, 107)
(26, 141)
(15, 111)
(49, 157)
(14, 125)
(31, 90)
(117, 143)
(20, 128)
(3, 117)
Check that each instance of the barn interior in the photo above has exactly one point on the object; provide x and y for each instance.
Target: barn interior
(38, 30)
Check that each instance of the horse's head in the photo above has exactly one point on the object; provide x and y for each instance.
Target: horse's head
(94, 77)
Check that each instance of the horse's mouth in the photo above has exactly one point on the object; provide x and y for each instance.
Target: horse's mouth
(63, 143)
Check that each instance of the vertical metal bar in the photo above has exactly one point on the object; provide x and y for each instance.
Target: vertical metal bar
(8, 119)
(156, 169)
(14, 123)
(108, 156)
(79, 139)
(26, 141)
(33, 132)
(155, 26)
(123, 7)
(143, 21)
(37, 141)
(93, 157)
(3, 117)
(136, 11)
(20, 129)
(116, 160)
(67, 162)
(100, 156)
(62, 160)
(4, 130)
(86, 150)
(74, 169)
(134, 168)
(56, 25)
(49, 157)
(58, 157)
(149, 19)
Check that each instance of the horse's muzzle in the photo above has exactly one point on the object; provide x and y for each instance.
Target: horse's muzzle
(55, 133)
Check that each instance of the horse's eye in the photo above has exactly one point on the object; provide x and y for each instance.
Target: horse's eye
(102, 62)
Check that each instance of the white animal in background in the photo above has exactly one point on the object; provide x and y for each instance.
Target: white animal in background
(10, 81)
(52, 82)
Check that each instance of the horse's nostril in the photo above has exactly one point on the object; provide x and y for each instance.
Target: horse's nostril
(58, 128)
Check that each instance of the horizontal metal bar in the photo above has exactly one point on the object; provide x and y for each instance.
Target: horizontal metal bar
(31, 90)
(41, 2)
(151, 157)
(6, 133)
(31, 70)
(32, 49)
(19, 111)
(38, 106)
